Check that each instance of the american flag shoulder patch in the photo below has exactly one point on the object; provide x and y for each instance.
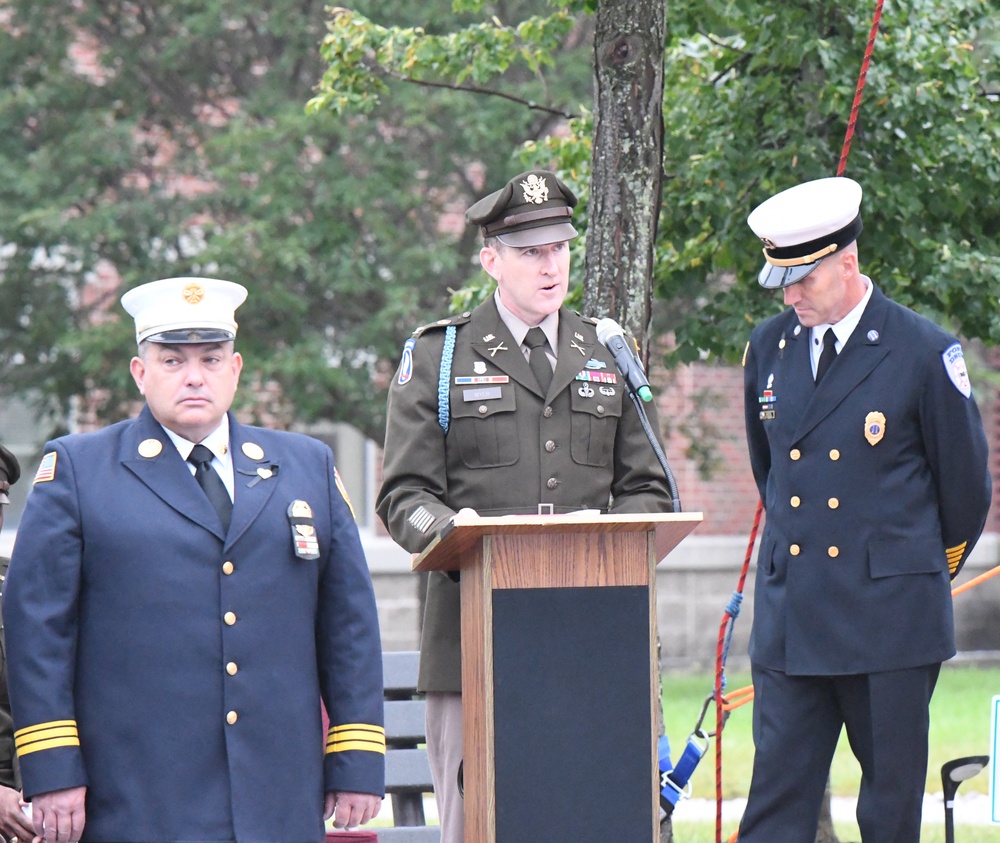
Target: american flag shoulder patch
(46, 469)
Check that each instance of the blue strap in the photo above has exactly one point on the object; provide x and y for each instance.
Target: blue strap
(444, 377)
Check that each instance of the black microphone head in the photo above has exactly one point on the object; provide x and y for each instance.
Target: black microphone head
(608, 328)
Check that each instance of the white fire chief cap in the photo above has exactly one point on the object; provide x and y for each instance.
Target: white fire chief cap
(802, 225)
(185, 310)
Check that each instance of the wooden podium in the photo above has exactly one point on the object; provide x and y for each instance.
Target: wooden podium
(559, 672)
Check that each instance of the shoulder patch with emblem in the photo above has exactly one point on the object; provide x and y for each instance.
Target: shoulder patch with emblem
(46, 469)
(954, 365)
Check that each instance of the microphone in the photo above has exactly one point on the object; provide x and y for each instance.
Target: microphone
(612, 336)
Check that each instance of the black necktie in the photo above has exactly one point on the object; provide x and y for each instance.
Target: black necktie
(539, 362)
(829, 352)
(209, 480)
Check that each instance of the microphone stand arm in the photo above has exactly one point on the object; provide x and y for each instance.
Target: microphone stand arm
(648, 428)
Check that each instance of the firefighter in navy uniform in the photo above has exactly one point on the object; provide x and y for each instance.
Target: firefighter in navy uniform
(870, 457)
(183, 592)
(470, 425)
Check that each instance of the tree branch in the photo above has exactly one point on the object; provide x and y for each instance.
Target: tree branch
(485, 92)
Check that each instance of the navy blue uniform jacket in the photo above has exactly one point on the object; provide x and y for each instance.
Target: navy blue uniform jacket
(176, 671)
(861, 540)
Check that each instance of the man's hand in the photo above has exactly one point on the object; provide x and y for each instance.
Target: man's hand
(350, 810)
(59, 815)
(14, 823)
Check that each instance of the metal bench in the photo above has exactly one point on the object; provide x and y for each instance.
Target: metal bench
(407, 772)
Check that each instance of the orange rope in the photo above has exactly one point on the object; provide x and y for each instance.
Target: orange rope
(958, 589)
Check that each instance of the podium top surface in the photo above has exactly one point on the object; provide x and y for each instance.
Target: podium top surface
(460, 538)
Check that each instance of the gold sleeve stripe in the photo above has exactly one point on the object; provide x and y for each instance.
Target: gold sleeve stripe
(361, 736)
(39, 729)
(359, 745)
(955, 555)
(349, 726)
(52, 744)
(46, 736)
(746, 351)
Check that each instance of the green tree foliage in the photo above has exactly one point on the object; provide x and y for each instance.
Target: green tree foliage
(144, 141)
(758, 98)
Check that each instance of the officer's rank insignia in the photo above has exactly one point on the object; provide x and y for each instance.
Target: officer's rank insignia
(252, 451)
(46, 469)
(954, 365)
(596, 377)
(150, 448)
(304, 541)
(343, 492)
(406, 364)
(874, 427)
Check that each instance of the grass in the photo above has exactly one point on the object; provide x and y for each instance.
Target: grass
(960, 726)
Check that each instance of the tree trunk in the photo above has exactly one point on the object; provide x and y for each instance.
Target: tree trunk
(626, 172)
(627, 166)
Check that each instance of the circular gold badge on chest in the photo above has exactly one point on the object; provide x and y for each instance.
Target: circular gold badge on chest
(149, 448)
(253, 450)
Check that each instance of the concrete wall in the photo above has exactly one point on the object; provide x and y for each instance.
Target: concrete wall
(694, 586)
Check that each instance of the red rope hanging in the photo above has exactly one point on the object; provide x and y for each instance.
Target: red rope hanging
(861, 86)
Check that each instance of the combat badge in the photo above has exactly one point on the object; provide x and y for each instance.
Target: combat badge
(304, 541)
(874, 427)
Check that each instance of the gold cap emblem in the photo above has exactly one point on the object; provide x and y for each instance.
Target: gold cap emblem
(874, 427)
(253, 450)
(149, 448)
(193, 293)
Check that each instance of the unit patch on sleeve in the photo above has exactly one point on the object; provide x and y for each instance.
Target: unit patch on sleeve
(954, 365)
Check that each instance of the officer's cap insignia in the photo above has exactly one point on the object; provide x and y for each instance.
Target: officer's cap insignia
(46, 468)
(535, 189)
(874, 427)
(252, 450)
(193, 293)
(150, 448)
(954, 365)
